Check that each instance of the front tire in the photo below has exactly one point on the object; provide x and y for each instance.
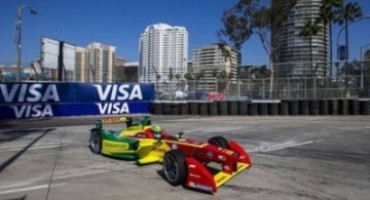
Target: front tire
(219, 141)
(95, 141)
(174, 167)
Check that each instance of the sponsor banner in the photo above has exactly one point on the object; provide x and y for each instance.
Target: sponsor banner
(36, 92)
(42, 110)
(114, 92)
(37, 100)
(73, 92)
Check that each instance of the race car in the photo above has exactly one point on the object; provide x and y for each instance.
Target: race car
(185, 162)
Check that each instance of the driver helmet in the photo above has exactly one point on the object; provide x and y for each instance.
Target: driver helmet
(156, 131)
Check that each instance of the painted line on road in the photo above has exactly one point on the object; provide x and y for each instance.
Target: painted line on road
(281, 146)
(32, 148)
(30, 188)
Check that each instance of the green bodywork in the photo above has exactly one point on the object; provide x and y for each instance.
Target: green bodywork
(115, 145)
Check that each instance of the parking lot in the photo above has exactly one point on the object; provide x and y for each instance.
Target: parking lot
(300, 157)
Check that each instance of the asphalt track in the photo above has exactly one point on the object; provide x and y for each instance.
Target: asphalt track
(303, 157)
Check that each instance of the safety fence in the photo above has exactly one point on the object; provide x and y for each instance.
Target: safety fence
(278, 88)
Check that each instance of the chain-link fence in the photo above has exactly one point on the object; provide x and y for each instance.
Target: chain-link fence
(282, 88)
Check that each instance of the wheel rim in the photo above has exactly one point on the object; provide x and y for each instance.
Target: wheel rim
(171, 169)
(95, 142)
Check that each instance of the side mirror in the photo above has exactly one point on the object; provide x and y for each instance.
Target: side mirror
(180, 134)
(99, 124)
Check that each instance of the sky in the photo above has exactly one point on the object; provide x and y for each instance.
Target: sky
(120, 23)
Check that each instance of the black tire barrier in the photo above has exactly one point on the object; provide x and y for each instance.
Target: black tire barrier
(203, 108)
(323, 107)
(272, 108)
(314, 107)
(193, 109)
(166, 108)
(222, 107)
(365, 107)
(303, 107)
(233, 107)
(213, 108)
(184, 109)
(293, 107)
(176, 109)
(243, 108)
(283, 108)
(252, 109)
(157, 108)
(343, 106)
(353, 107)
(262, 108)
(333, 107)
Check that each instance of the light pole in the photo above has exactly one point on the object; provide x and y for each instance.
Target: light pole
(362, 63)
(19, 36)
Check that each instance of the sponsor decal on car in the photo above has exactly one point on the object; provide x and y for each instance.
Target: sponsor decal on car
(115, 147)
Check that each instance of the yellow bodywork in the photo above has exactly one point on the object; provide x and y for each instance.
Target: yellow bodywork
(152, 151)
(131, 131)
(222, 177)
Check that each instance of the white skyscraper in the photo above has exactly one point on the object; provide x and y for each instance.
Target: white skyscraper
(163, 48)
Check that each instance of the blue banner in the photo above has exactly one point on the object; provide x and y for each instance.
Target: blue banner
(37, 100)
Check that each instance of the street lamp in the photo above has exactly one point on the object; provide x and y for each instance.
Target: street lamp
(362, 64)
(19, 36)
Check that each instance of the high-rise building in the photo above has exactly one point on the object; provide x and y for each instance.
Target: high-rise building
(96, 63)
(293, 55)
(101, 61)
(163, 49)
(211, 60)
(82, 64)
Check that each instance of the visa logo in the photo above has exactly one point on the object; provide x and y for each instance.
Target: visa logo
(29, 93)
(114, 92)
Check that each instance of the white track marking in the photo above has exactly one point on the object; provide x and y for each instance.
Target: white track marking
(32, 148)
(30, 188)
(275, 147)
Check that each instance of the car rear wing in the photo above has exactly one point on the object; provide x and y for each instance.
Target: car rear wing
(112, 120)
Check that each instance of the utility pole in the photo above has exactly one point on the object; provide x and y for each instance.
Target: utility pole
(19, 36)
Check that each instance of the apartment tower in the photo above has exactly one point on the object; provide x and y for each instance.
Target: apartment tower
(296, 55)
(163, 49)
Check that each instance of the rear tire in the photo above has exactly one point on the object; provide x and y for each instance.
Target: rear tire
(174, 167)
(219, 141)
(95, 141)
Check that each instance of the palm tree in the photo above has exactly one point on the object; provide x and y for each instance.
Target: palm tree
(348, 13)
(327, 15)
(308, 30)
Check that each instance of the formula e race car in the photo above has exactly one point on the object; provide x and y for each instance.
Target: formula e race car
(185, 162)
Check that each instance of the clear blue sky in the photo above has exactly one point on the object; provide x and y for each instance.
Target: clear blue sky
(120, 22)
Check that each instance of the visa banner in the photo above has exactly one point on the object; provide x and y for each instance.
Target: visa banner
(36, 100)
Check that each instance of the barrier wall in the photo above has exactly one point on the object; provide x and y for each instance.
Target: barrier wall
(35, 100)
